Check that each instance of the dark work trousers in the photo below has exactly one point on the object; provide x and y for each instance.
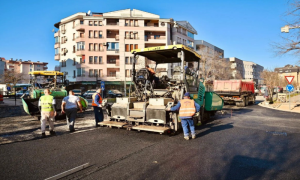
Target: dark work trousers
(71, 116)
(98, 114)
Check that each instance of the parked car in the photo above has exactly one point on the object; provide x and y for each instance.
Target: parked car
(88, 94)
(114, 93)
(21, 92)
(77, 92)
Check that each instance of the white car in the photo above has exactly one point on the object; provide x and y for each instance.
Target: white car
(88, 94)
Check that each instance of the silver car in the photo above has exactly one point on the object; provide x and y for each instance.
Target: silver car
(88, 94)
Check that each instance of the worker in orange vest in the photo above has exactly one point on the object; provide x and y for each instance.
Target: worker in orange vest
(96, 103)
(187, 109)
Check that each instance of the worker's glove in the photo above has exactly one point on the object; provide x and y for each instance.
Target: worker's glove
(196, 114)
(168, 109)
(100, 106)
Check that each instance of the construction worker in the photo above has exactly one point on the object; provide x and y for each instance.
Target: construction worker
(150, 70)
(96, 103)
(69, 106)
(187, 108)
(48, 113)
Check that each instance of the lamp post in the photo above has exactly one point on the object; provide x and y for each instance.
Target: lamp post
(286, 28)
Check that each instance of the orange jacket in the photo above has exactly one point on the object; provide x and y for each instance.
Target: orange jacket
(93, 101)
(151, 70)
(187, 108)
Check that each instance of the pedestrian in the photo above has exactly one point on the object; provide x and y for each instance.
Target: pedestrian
(266, 94)
(187, 108)
(69, 106)
(48, 112)
(96, 103)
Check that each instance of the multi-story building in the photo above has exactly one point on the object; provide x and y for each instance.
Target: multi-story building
(24, 67)
(246, 70)
(289, 70)
(203, 47)
(98, 45)
(2, 67)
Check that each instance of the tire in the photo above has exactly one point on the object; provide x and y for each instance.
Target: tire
(246, 101)
(241, 104)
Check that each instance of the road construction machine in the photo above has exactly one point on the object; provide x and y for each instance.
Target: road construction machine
(53, 80)
(146, 108)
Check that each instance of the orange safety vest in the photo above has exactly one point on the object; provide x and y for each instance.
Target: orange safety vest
(151, 70)
(93, 101)
(187, 108)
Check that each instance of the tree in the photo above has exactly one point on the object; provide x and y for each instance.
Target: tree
(13, 77)
(271, 79)
(290, 42)
(213, 65)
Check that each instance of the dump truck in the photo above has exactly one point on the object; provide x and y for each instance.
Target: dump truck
(145, 108)
(239, 92)
(56, 83)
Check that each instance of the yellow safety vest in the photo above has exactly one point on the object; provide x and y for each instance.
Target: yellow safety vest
(46, 103)
(187, 108)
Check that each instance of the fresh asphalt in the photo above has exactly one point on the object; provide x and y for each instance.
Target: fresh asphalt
(240, 143)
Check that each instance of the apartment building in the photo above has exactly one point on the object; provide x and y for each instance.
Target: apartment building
(24, 67)
(2, 67)
(289, 70)
(246, 70)
(207, 49)
(98, 45)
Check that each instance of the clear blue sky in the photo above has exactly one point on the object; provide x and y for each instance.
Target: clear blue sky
(243, 28)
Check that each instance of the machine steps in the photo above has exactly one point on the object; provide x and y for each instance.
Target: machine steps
(112, 124)
(158, 129)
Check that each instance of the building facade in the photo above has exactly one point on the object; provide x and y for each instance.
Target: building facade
(98, 45)
(289, 70)
(246, 70)
(23, 68)
(203, 47)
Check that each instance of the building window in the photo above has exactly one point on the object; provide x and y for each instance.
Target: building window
(30, 65)
(78, 72)
(100, 73)
(90, 59)
(191, 35)
(95, 72)
(80, 46)
(127, 48)
(126, 60)
(95, 59)
(56, 40)
(112, 46)
(136, 46)
(100, 34)
(30, 70)
(156, 36)
(111, 61)
(91, 72)
(100, 23)
(38, 65)
(100, 60)
(90, 23)
(81, 22)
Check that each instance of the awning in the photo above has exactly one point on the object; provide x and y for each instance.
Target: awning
(116, 82)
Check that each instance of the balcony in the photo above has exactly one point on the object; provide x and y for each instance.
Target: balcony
(151, 23)
(57, 34)
(112, 23)
(63, 31)
(45, 67)
(79, 27)
(56, 45)
(131, 25)
(57, 57)
(79, 39)
(132, 37)
(80, 52)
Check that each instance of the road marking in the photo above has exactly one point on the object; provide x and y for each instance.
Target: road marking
(276, 133)
(63, 174)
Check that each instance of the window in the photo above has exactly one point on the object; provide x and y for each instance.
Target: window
(126, 60)
(131, 47)
(80, 46)
(81, 22)
(91, 72)
(190, 43)
(127, 47)
(111, 61)
(95, 72)
(112, 46)
(100, 73)
(30, 70)
(56, 40)
(100, 60)
(95, 59)
(90, 59)
(90, 34)
(56, 51)
(95, 23)
(83, 71)
(90, 23)
(74, 61)
(78, 72)
(73, 36)
(30, 65)
(136, 46)
(100, 23)
(131, 60)
(74, 74)
(38, 65)
(100, 34)
(156, 36)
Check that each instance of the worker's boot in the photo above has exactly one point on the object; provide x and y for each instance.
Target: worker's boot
(193, 136)
(186, 137)
(43, 135)
(52, 133)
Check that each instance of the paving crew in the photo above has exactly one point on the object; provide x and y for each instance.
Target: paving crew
(187, 109)
(96, 103)
(150, 70)
(48, 113)
(69, 106)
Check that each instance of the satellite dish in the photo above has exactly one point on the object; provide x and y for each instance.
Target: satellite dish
(89, 12)
(52, 30)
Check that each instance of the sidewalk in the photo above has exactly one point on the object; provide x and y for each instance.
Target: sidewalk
(293, 107)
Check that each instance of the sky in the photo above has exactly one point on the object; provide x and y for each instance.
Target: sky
(242, 28)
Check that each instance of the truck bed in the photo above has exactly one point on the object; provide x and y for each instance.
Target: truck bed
(233, 87)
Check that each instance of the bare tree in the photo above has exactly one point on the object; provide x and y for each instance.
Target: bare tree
(13, 77)
(271, 79)
(290, 42)
(212, 65)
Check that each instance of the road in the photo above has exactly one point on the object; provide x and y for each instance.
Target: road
(249, 143)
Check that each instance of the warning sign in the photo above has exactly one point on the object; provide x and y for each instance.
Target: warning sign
(289, 79)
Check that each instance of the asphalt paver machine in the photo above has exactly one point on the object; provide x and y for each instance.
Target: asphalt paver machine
(145, 108)
(55, 82)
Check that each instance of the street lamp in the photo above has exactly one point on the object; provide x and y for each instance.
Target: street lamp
(286, 28)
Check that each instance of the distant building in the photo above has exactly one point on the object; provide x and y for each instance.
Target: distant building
(203, 47)
(2, 67)
(246, 70)
(98, 45)
(289, 70)
(24, 67)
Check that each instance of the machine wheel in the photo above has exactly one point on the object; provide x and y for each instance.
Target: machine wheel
(247, 101)
(241, 104)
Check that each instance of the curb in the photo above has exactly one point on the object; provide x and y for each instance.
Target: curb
(260, 104)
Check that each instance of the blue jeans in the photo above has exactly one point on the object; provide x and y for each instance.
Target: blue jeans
(71, 116)
(98, 114)
(185, 123)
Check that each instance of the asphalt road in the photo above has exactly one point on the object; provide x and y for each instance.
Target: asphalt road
(252, 143)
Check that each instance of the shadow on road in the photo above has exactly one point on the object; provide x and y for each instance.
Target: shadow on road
(213, 127)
